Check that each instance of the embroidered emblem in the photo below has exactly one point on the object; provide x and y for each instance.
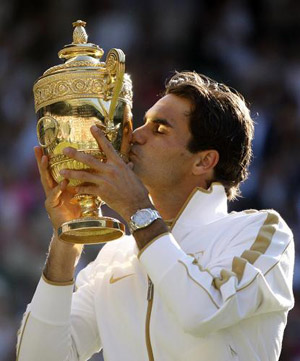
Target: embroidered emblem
(233, 353)
(196, 256)
(113, 280)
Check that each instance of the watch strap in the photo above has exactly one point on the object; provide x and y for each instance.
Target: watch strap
(147, 215)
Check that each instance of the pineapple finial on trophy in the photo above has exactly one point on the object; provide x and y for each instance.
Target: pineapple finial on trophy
(79, 34)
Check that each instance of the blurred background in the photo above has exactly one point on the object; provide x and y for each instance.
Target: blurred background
(252, 46)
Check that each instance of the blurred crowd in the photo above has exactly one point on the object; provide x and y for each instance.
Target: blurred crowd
(252, 46)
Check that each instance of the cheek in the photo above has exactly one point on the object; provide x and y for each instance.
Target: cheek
(173, 161)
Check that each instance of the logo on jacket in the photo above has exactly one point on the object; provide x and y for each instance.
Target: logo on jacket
(114, 280)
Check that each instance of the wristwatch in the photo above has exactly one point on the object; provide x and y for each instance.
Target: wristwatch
(143, 218)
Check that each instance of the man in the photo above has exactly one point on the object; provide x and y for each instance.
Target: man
(193, 282)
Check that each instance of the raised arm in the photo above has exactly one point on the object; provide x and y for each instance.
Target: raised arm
(50, 330)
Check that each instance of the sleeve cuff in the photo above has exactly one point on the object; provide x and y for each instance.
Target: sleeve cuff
(149, 244)
(68, 283)
(161, 255)
(52, 303)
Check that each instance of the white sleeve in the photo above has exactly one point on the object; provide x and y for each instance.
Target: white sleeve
(252, 275)
(59, 325)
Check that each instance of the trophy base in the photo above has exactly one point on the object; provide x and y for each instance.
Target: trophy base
(91, 230)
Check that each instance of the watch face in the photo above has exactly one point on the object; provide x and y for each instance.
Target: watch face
(142, 217)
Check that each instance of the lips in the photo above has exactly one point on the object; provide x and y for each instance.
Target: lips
(131, 157)
(132, 153)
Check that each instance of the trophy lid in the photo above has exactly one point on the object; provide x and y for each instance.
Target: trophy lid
(83, 75)
(79, 53)
(80, 46)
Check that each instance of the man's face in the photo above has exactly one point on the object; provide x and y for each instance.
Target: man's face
(159, 151)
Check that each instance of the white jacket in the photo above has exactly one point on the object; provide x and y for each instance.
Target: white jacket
(222, 288)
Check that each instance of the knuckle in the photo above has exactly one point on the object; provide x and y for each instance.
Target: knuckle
(96, 163)
(112, 172)
(47, 203)
(90, 161)
(83, 157)
(81, 190)
(80, 175)
(121, 164)
(68, 174)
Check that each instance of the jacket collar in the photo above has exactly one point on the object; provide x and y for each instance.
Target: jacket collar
(202, 207)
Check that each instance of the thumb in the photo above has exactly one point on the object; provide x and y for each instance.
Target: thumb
(54, 196)
(130, 165)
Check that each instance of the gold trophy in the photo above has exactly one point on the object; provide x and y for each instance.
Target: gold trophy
(69, 99)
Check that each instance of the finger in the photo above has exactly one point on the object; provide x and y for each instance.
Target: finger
(87, 159)
(46, 174)
(64, 184)
(42, 162)
(54, 197)
(91, 190)
(84, 177)
(71, 190)
(38, 153)
(104, 143)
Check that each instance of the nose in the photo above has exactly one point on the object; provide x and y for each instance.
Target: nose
(139, 135)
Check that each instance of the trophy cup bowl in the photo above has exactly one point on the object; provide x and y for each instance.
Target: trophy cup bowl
(69, 99)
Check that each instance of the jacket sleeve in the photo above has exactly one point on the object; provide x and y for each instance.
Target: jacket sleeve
(59, 325)
(250, 276)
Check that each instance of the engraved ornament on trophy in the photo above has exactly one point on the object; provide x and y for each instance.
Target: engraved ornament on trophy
(69, 99)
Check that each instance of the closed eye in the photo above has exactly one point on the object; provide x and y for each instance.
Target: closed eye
(159, 129)
(158, 125)
(159, 121)
(163, 122)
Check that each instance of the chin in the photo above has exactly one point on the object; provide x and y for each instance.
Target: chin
(140, 174)
(136, 170)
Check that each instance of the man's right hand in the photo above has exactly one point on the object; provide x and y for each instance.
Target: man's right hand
(58, 196)
(63, 256)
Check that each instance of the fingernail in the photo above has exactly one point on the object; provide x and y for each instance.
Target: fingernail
(67, 151)
(94, 128)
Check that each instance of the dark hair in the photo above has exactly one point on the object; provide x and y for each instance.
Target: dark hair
(220, 120)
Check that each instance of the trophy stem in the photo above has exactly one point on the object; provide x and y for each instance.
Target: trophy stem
(89, 204)
(91, 227)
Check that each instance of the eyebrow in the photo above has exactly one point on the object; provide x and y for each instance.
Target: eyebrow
(164, 122)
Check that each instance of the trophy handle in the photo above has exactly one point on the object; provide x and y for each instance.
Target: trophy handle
(115, 64)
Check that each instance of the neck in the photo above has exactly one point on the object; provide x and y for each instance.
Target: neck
(169, 202)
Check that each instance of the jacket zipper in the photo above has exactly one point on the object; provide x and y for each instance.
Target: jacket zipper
(148, 316)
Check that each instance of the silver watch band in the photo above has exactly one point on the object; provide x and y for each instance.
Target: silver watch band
(142, 218)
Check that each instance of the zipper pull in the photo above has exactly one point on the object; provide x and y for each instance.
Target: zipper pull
(150, 290)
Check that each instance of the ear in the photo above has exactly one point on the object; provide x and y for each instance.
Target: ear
(205, 162)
